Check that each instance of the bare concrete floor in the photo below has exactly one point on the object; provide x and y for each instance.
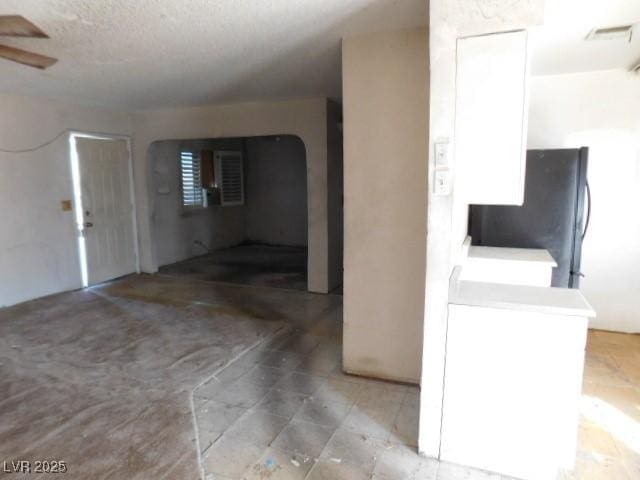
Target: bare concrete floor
(257, 265)
(168, 378)
(102, 379)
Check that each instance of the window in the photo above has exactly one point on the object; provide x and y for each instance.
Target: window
(229, 170)
(191, 180)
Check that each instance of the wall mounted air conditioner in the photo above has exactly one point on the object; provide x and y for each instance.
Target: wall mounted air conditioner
(229, 174)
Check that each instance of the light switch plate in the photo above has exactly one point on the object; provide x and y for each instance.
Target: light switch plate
(442, 154)
(441, 182)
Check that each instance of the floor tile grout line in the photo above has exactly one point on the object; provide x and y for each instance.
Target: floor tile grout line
(388, 441)
(206, 380)
(395, 418)
(328, 441)
(310, 397)
(253, 408)
(245, 414)
(289, 421)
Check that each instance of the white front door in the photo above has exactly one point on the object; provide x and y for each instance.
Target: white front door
(107, 208)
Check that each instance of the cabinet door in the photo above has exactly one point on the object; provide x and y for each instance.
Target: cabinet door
(512, 390)
(491, 118)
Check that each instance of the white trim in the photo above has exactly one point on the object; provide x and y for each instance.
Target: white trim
(78, 209)
(73, 135)
(134, 207)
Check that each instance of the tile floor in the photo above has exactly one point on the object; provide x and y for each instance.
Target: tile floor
(286, 411)
(102, 378)
(609, 434)
(283, 410)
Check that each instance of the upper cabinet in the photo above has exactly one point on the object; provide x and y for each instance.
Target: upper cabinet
(491, 118)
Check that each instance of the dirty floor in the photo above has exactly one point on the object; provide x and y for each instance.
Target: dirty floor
(257, 265)
(167, 378)
(609, 434)
(103, 379)
(286, 411)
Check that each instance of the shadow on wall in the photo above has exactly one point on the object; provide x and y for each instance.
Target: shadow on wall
(273, 211)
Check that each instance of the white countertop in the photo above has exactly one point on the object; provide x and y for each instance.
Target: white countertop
(554, 301)
(534, 255)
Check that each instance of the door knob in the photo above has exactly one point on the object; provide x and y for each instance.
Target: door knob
(88, 224)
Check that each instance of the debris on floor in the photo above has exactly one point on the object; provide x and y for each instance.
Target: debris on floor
(267, 469)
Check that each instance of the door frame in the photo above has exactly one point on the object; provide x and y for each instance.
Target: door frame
(74, 161)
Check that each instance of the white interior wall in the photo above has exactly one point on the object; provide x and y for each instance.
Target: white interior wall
(385, 90)
(176, 230)
(276, 191)
(305, 118)
(38, 241)
(600, 110)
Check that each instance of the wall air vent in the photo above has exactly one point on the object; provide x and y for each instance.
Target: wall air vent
(612, 33)
(229, 174)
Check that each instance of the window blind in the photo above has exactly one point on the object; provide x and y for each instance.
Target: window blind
(191, 180)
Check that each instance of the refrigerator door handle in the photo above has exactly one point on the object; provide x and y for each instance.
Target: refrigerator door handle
(586, 223)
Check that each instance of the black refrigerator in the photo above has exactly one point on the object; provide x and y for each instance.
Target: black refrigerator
(554, 216)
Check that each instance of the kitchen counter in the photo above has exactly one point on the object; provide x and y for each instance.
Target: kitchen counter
(534, 255)
(554, 301)
(514, 364)
(515, 266)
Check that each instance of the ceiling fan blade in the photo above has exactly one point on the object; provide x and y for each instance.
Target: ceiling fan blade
(26, 58)
(18, 26)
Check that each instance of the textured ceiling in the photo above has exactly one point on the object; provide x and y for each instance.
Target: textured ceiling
(143, 54)
(560, 45)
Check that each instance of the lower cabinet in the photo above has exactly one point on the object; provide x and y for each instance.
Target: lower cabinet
(512, 389)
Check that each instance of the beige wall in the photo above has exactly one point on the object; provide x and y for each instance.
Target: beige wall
(385, 85)
(304, 118)
(39, 254)
(38, 241)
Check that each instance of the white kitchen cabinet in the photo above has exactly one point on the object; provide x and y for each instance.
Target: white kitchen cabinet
(514, 266)
(491, 118)
(513, 377)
